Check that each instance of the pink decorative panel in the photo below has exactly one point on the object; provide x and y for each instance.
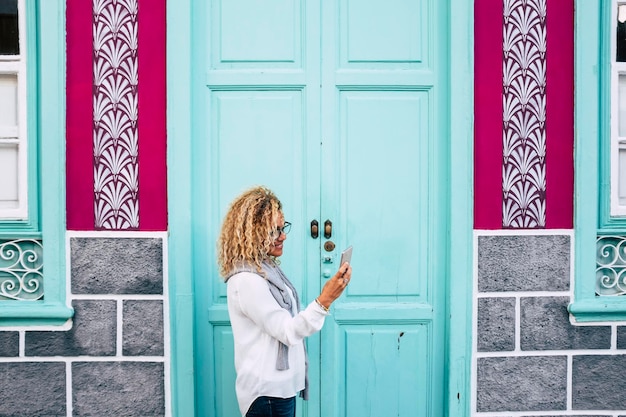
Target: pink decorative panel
(560, 116)
(79, 119)
(152, 120)
(115, 113)
(488, 23)
(116, 158)
(524, 114)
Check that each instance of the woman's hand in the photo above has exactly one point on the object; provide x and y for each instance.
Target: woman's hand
(335, 286)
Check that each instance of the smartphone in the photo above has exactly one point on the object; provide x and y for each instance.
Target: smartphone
(346, 256)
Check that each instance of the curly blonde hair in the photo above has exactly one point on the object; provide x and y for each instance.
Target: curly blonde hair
(248, 230)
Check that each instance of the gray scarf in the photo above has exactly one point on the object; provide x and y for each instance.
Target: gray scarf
(278, 284)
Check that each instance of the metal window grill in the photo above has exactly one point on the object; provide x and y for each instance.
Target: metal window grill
(21, 269)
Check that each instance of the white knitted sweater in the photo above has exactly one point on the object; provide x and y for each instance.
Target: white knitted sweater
(258, 323)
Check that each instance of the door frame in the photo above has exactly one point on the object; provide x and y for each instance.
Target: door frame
(459, 289)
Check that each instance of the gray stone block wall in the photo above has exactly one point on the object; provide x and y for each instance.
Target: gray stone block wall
(523, 263)
(113, 353)
(93, 332)
(116, 266)
(596, 382)
(529, 356)
(496, 324)
(525, 383)
(143, 328)
(118, 389)
(9, 344)
(32, 389)
(544, 325)
(621, 337)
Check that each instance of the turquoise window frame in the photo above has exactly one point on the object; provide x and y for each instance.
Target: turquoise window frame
(592, 160)
(45, 32)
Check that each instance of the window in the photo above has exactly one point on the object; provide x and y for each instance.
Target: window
(32, 154)
(600, 147)
(13, 126)
(618, 110)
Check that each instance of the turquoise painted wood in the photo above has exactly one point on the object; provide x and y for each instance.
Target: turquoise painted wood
(383, 176)
(460, 259)
(180, 102)
(592, 88)
(341, 108)
(46, 220)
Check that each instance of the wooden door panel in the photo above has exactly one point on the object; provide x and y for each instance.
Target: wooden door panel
(256, 137)
(384, 175)
(253, 34)
(383, 33)
(395, 378)
(256, 122)
(226, 400)
(383, 91)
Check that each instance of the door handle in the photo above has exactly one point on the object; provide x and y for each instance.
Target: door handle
(315, 229)
(328, 229)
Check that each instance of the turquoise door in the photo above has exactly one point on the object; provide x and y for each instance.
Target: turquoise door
(339, 107)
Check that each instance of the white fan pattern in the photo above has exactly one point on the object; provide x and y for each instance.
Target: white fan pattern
(115, 113)
(524, 114)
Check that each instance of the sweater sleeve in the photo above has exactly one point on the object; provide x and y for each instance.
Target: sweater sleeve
(256, 302)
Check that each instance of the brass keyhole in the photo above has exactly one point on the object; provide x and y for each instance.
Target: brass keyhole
(328, 229)
(329, 246)
(315, 232)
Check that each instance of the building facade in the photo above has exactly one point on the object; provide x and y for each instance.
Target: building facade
(469, 151)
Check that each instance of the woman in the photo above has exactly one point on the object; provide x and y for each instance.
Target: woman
(268, 325)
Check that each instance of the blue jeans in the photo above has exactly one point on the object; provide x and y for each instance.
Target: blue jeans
(272, 407)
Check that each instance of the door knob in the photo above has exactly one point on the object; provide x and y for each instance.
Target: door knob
(329, 246)
(328, 229)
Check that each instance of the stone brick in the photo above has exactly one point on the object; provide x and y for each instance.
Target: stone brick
(523, 263)
(93, 332)
(596, 380)
(9, 344)
(115, 389)
(116, 265)
(32, 389)
(532, 383)
(143, 328)
(545, 325)
(496, 324)
(621, 337)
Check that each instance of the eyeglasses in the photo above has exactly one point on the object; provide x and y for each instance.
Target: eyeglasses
(285, 229)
